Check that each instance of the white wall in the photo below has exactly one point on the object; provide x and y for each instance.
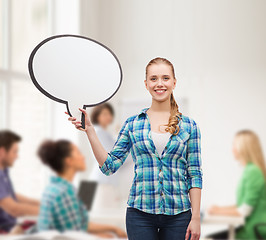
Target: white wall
(218, 50)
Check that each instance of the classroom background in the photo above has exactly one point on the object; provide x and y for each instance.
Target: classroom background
(217, 48)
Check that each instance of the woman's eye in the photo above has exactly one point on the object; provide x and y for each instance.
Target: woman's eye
(166, 78)
(152, 78)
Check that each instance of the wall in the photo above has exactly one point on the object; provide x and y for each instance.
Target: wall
(218, 50)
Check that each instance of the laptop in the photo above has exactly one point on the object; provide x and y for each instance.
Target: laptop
(87, 192)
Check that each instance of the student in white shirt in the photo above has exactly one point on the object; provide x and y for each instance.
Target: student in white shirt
(113, 188)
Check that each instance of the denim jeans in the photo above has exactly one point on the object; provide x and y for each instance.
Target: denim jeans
(146, 226)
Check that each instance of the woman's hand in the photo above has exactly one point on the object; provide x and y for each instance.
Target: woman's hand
(224, 210)
(193, 229)
(120, 233)
(214, 209)
(77, 124)
(104, 235)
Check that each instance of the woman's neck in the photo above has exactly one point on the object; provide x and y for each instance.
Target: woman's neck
(157, 106)
(68, 175)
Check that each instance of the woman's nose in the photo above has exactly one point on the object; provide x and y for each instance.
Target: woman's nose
(159, 82)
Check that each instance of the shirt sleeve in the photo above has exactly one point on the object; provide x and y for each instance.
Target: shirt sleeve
(45, 216)
(119, 152)
(3, 192)
(253, 186)
(194, 169)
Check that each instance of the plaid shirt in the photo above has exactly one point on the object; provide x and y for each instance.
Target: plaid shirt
(61, 209)
(161, 183)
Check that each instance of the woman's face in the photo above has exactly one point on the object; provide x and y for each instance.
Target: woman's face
(234, 150)
(105, 118)
(76, 160)
(160, 81)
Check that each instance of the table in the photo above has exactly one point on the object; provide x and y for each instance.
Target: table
(117, 217)
(231, 221)
(109, 216)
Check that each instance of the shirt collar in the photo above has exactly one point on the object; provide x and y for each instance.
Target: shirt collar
(143, 111)
(57, 179)
(4, 171)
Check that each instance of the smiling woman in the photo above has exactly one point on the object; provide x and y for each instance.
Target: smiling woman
(158, 203)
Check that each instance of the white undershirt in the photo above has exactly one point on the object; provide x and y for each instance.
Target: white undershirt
(245, 209)
(160, 140)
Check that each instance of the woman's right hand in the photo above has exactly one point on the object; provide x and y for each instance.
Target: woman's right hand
(120, 233)
(77, 124)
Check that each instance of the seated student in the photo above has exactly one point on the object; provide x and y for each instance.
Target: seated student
(251, 189)
(12, 205)
(61, 209)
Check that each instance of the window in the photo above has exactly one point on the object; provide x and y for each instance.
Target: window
(23, 109)
(29, 26)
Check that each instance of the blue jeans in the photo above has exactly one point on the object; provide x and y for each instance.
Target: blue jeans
(141, 225)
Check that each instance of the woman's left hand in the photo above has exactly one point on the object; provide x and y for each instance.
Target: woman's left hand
(193, 229)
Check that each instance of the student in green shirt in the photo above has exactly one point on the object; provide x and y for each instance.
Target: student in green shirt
(251, 189)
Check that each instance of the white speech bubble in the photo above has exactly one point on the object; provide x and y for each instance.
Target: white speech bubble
(75, 70)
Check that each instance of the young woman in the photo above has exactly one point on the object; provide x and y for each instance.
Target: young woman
(60, 207)
(166, 149)
(251, 189)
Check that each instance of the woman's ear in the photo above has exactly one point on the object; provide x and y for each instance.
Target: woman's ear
(68, 162)
(145, 82)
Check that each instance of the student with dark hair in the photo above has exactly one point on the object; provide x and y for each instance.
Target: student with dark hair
(12, 205)
(61, 209)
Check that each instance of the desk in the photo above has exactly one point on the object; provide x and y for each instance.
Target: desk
(117, 217)
(111, 216)
(231, 221)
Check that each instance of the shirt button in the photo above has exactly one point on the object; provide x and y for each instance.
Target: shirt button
(161, 194)
(160, 170)
(161, 182)
(165, 147)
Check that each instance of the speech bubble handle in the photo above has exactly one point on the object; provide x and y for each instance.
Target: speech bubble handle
(73, 111)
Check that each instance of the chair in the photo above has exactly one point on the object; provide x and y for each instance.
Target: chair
(257, 232)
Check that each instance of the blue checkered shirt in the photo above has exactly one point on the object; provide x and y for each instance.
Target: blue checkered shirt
(61, 209)
(161, 183)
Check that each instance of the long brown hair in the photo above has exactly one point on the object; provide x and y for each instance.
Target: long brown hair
(249, 148)
(175, 115)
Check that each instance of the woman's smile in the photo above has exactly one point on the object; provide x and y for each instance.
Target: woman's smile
(160, 91)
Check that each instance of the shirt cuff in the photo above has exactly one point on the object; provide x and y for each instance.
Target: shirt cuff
(195, 182)
(245, 209)
(106, 165)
